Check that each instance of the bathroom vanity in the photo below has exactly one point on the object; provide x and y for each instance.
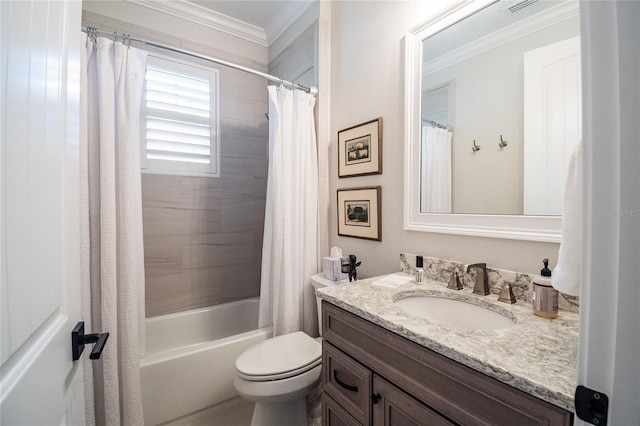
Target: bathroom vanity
(383, 366)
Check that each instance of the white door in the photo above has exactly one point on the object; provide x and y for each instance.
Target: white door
(609, 350)
(40, 299)
(552, 123)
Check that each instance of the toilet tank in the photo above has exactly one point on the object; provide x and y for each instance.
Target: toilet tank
(319, 281)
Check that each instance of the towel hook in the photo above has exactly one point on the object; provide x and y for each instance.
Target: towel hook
(502, 143)
(475, 147)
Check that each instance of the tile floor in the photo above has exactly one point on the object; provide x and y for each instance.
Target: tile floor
(237, 412)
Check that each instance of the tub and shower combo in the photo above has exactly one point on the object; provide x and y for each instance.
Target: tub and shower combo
(190, 357)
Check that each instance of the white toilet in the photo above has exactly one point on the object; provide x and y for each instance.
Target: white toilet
(279, 373)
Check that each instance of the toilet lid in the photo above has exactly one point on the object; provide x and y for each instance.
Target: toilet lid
(281, 357)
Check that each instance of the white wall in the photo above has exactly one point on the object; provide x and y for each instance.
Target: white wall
(367, 81)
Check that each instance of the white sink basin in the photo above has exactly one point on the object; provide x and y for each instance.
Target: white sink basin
(454, 313)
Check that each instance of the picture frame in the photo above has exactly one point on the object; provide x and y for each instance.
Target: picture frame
(360, 149)
(359, 213)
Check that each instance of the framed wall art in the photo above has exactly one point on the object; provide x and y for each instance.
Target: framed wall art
(360, 149)
(359, 213)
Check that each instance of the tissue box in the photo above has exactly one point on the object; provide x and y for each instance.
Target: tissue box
(331, 269)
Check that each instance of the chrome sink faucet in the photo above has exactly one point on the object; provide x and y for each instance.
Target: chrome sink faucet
(482, 281)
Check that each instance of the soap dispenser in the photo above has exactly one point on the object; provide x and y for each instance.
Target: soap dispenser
(545, 297)
(419, 270)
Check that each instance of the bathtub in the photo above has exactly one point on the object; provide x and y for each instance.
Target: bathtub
(190, 357)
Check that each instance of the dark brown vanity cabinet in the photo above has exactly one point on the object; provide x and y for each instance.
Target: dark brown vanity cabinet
(355, 395)
(372, 376)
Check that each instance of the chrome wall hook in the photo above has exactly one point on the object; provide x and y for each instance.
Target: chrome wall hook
(475, 146)
(502, 142)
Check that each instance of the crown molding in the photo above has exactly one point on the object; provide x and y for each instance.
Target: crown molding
(206, 17)
(285, 18)
(537, 22)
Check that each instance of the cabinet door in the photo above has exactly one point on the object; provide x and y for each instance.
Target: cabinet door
(393, 407)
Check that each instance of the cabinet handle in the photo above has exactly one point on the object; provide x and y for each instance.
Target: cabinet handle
(343, 384)
(375, 398)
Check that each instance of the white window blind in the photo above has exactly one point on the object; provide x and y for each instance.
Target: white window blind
(180, 118)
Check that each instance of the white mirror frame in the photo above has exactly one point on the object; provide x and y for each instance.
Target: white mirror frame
(518, 227)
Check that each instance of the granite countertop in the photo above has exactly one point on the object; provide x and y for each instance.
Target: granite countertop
(536, 355)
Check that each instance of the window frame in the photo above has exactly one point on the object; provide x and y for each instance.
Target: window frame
(170, 167)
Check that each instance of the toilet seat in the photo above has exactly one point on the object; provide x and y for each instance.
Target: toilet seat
(279, 358)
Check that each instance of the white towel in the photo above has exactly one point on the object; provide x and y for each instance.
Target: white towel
(567, 274)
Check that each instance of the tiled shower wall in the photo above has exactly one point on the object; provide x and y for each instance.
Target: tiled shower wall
(202, 235)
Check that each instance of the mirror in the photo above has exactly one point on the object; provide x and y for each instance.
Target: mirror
(492, 118)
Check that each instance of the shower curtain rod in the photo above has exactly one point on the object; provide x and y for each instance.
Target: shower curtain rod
(436, 124)
(313, 90)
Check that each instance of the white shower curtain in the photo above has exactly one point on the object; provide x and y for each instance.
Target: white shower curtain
(290, 244)
(435, 192)
(112, 263)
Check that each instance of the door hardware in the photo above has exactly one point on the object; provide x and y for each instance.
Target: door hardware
(79, 339)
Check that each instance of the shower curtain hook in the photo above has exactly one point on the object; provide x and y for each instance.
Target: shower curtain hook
(91, 34)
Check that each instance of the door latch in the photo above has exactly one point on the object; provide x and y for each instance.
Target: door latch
(591, 406)
(79, 339)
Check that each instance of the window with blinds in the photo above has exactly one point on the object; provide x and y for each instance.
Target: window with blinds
(180, 118)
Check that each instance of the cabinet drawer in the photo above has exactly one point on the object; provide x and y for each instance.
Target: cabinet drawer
(334, 415)
(347, 382)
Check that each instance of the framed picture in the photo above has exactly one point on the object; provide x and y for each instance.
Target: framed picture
(359, 213)
(360, 149)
